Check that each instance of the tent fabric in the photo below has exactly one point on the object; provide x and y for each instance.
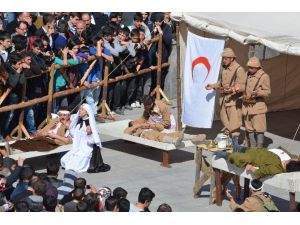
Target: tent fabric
(278, 31)
(284, 69)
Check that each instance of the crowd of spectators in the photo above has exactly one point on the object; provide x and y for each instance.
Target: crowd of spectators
(31, 42)
(22, 189)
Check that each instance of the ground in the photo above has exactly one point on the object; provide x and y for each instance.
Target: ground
(135, 166)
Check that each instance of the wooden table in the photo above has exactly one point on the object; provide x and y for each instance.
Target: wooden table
(203, 159)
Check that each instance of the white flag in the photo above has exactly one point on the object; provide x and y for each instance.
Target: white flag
(202, 66)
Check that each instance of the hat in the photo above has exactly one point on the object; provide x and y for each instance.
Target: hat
(254, 62)
(256, 185)
(228, 52)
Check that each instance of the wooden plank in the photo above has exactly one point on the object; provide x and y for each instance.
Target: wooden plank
(50, 93)
(5, 94)
(74, 90)
(87, 72)
(293, 204)
(218, 187)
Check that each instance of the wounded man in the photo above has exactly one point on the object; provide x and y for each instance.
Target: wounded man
(266, 162)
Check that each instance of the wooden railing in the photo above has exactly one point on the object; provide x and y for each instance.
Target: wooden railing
(104, 83)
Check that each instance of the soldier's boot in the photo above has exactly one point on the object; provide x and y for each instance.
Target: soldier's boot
(235, 145)
(252, 139)
(260, 139)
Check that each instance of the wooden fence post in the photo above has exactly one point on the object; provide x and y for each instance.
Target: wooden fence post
(50, 93)
(21, 128)
(104, 106)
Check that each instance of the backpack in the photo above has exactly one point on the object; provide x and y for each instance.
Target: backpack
(268, 205)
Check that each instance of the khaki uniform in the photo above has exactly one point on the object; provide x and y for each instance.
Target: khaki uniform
(61, 131)
(230, 104)
(164, 111)
(153, 135)
(251, 204)
(255, 114)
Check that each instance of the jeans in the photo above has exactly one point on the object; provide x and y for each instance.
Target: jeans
(8, 116)
(130, 90)
(57, 102)
(29, 119)
(92, 98)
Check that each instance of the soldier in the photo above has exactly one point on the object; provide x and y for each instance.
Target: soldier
(231, 86)
(254, 107)
(257, 202)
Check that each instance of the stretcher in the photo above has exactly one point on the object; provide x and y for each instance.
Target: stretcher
(116, 129)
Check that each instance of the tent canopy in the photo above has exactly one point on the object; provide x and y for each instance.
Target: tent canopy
(277, 39)
(278, 31)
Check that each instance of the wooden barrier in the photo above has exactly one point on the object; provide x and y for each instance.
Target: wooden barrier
(51, 95)
(75, 90)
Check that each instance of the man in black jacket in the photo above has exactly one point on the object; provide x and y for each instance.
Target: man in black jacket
(23, 16)
(48, 21)
(15, 81)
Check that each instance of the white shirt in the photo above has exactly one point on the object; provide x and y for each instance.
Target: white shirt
(282, 154)
(4, 55)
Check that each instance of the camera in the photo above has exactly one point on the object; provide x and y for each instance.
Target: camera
(88, 186)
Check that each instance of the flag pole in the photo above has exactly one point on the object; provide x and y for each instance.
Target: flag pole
(179, 94)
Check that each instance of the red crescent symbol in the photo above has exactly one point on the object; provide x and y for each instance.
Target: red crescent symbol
(202, 60)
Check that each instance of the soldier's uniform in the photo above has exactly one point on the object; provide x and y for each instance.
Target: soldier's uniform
(150, 134)
(230, 104)
(254, 108)
(252, 203)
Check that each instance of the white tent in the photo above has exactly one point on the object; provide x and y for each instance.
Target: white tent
(273, 37)
(278, 31)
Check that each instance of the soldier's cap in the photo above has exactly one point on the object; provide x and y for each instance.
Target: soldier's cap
(254, 62)
(256, 185)
(228, 52)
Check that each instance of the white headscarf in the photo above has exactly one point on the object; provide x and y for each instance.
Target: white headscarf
(92, 121)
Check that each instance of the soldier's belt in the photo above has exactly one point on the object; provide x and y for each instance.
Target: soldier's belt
(251, 100)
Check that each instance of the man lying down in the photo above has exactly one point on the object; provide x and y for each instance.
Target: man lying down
(158, 124)
(54, 134)
(265, 162)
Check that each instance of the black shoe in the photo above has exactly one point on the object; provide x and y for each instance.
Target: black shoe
(103, 168)
(128, 107)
